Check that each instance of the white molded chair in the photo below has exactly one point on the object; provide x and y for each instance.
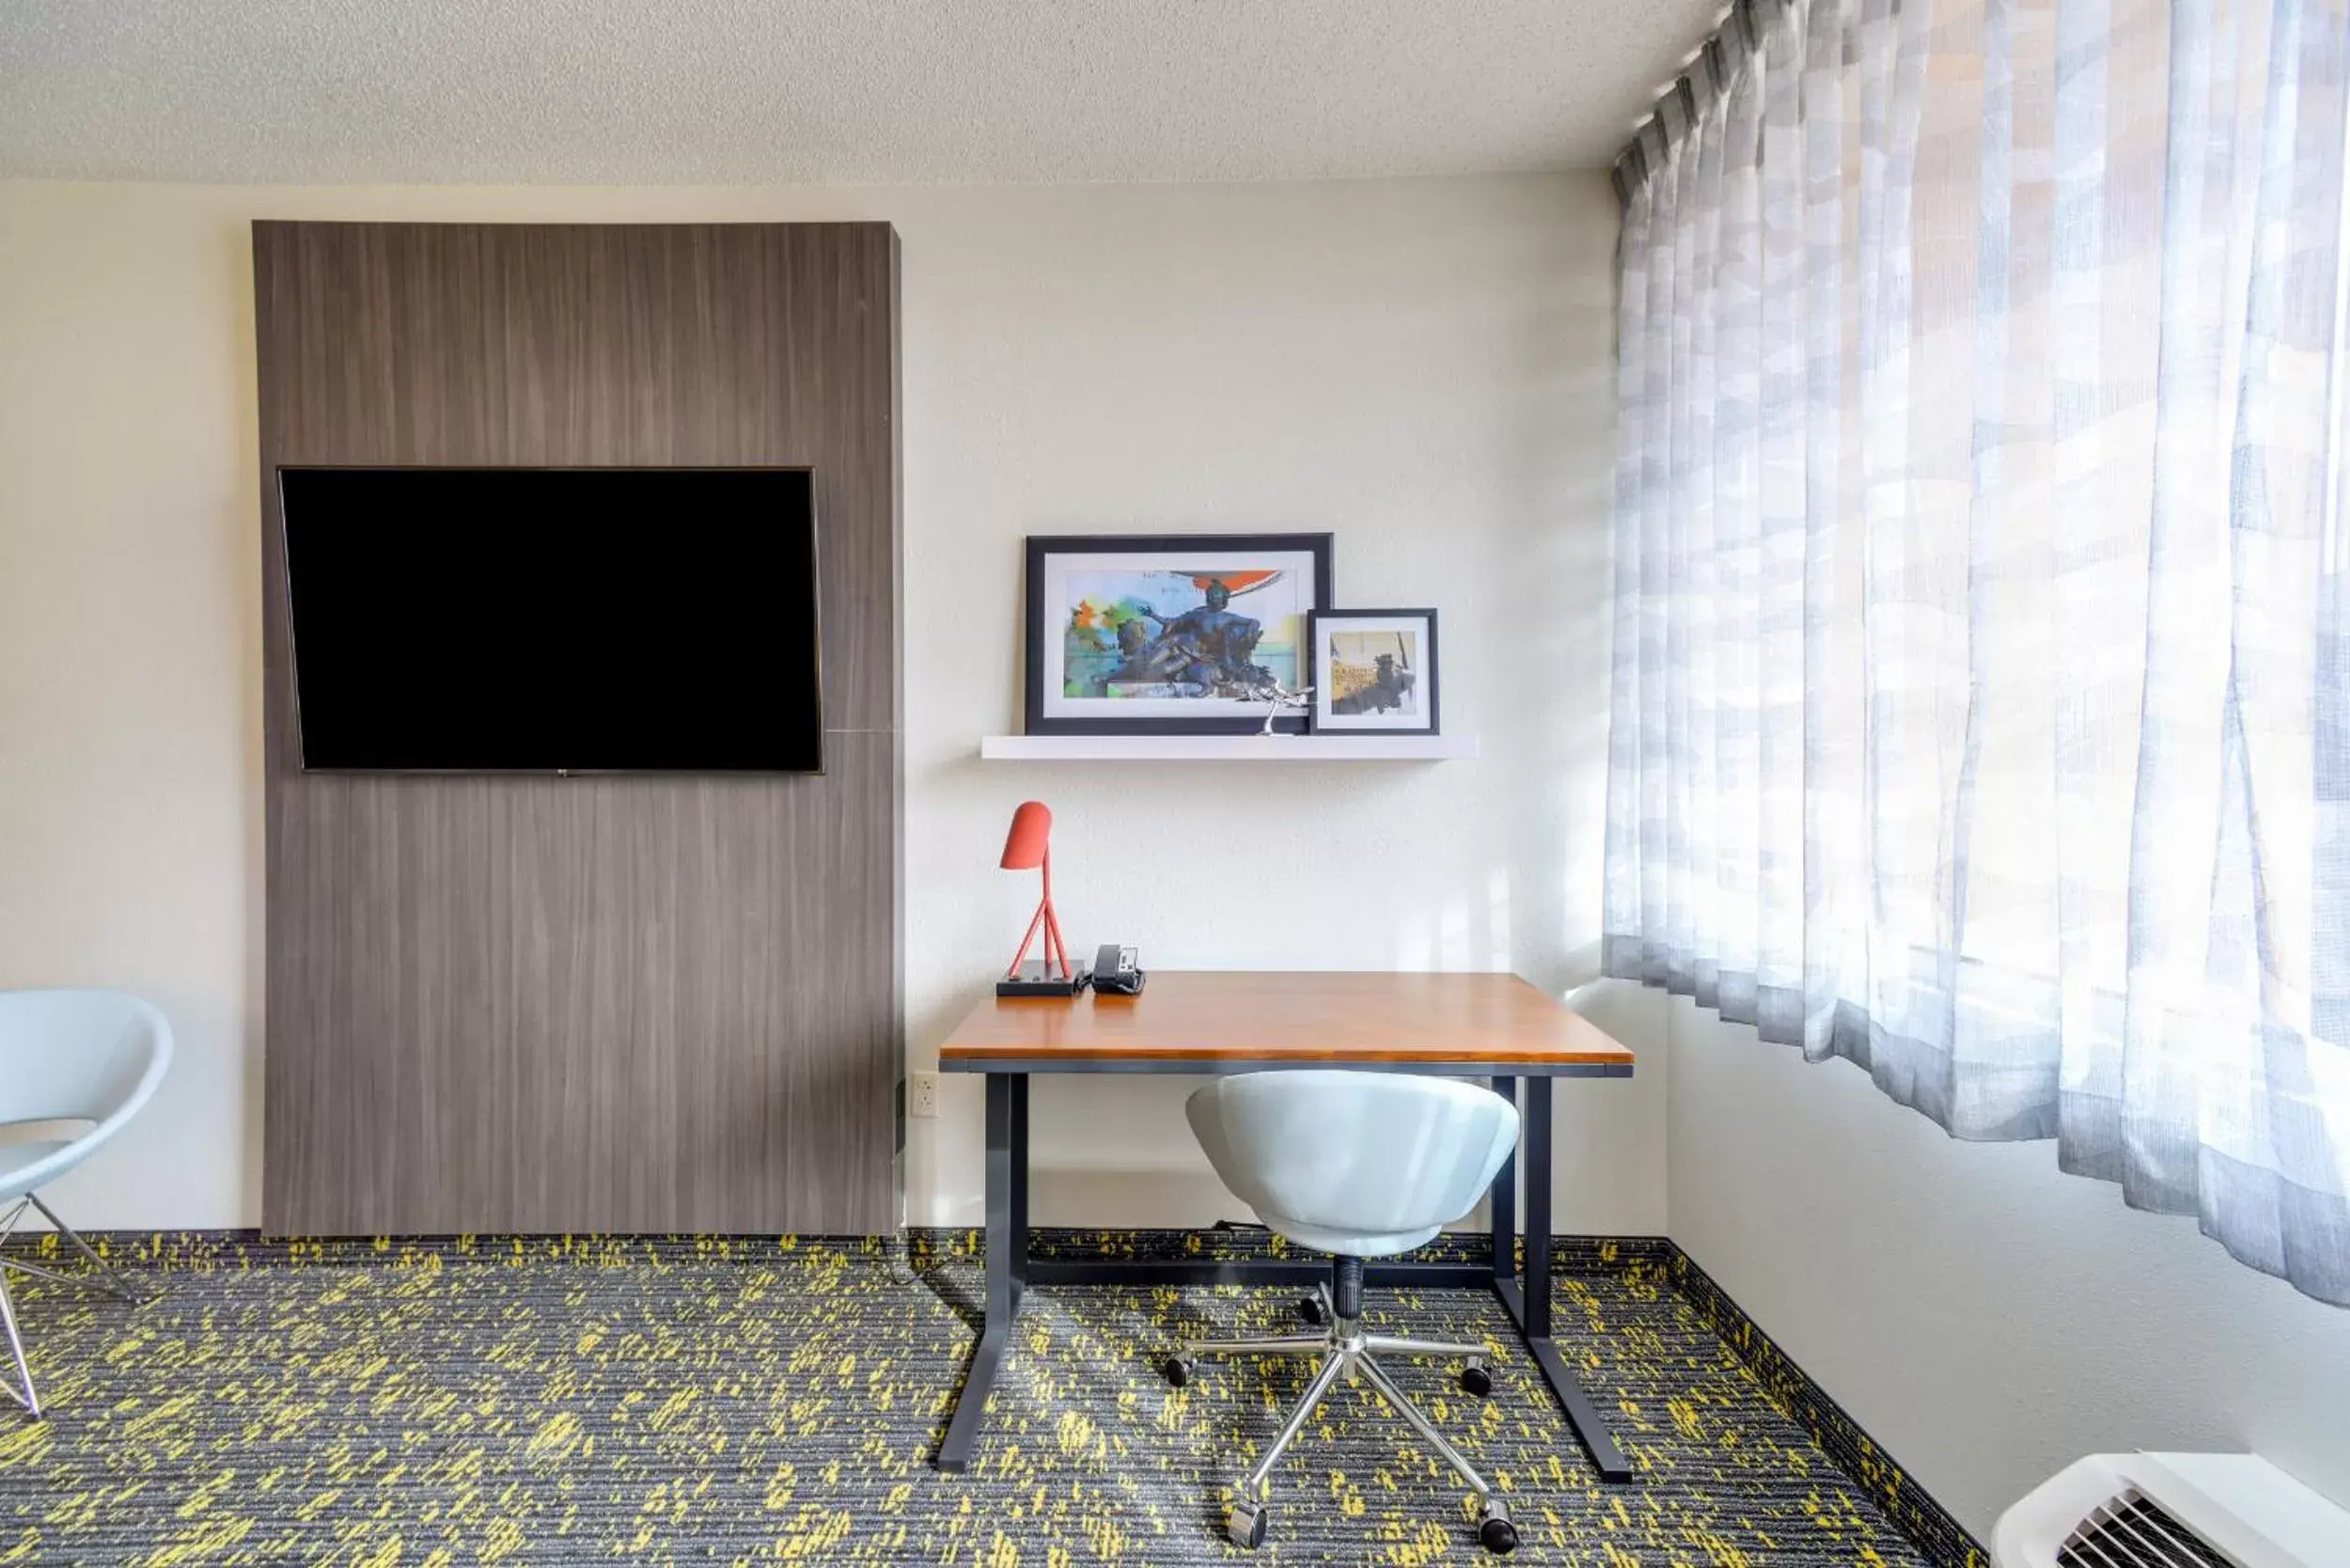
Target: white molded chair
(1359, 1165)
(74, 1066)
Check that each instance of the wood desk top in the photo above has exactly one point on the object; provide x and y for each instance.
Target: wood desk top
(1219, 1021)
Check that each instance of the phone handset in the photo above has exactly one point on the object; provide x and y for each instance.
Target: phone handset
(1117, 971)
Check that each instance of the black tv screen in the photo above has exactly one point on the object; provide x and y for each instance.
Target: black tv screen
(553, 619)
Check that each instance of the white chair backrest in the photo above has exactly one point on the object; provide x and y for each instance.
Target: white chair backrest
(78, 1056)
(1371, 1153)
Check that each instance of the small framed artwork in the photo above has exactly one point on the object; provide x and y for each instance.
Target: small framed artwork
(1169, 633)
(1374, 670)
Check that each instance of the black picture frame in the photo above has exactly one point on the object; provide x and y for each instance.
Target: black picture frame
(1428, 678)
(1041, 548)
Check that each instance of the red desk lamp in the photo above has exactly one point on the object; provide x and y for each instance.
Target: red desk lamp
(1029, 847)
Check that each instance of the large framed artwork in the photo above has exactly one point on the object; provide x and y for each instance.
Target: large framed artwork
(1374, 672)
(1168, 633)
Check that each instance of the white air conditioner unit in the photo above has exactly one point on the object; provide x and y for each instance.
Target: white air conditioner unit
(2172, 1511)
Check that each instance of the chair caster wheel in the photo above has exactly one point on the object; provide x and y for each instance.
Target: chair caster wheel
(1310, 1308)
(1246, 1525)
(1178, 1370)
(1476, 1380)
(1495, 1532)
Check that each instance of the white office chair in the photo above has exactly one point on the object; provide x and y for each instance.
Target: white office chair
(1359, 1165)
(74, 1066)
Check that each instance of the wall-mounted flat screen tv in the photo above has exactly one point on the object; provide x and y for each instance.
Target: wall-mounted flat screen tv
(553, 619)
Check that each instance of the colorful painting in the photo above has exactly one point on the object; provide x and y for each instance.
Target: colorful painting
(1374, 669)
(1168, 634)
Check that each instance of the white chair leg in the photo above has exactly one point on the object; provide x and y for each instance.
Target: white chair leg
(100, 1274)
(23, 1394)
(103, 1274)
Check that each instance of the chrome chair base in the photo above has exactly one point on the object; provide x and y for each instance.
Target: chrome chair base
(1346, 1351)
(99, 1273)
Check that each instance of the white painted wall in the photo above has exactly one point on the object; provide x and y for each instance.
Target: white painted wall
(1984, 1317)
(1420, 367)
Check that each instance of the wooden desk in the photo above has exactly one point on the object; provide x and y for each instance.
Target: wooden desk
(1492, 1027)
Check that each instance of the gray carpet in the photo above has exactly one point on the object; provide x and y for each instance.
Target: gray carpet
(678, 1400)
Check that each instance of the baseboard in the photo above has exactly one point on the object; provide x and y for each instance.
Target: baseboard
(1912, 1509)
(249, 1248)
(1239, 1243)
(1940, 1538)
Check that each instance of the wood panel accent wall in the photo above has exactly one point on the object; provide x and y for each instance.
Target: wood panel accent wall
(606, 1004)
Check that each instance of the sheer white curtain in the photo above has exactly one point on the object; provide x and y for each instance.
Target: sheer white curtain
(1982, 603)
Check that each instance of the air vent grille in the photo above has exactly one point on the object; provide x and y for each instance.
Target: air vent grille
(2131, 1532)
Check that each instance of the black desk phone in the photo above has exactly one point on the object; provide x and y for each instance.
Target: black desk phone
(1114, 971)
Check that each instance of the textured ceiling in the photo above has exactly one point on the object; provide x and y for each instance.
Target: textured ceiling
(825, 91)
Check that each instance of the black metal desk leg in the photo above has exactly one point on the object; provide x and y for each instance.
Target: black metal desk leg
(1588, 1430)
(1537, 1144)
(1019, 1239)
(1504, 1200)
(1007, 1260)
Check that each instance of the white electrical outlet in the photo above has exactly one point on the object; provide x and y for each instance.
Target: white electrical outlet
(921, 1094)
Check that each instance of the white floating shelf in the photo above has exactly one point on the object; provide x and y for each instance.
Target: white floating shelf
(1227, 748)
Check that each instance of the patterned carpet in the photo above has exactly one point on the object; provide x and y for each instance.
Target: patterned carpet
(682, 1401)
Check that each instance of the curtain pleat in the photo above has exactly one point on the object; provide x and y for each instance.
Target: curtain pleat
(1981, 707)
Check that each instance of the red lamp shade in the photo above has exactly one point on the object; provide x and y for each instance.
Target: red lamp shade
(1025, 847)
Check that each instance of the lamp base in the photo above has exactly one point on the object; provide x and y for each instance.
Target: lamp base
(1036, 980)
